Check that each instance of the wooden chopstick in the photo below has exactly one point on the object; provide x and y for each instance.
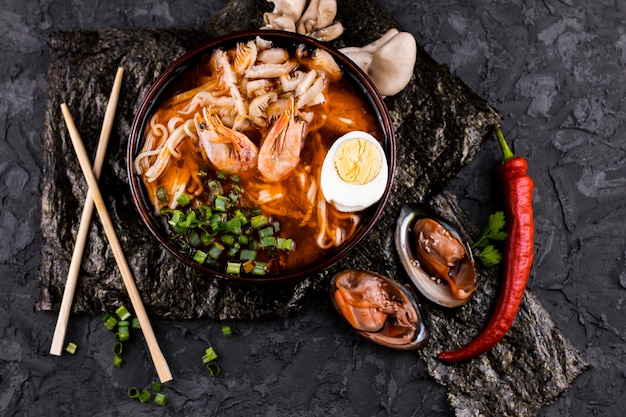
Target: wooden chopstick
(83, 230)
(158, 359)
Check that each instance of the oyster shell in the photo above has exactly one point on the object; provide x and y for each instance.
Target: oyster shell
(379, 309)
(435, 257)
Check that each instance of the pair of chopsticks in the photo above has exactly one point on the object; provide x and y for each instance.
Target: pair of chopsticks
(94, 197)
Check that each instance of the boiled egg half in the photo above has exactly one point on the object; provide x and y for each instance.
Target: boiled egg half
(354, 173)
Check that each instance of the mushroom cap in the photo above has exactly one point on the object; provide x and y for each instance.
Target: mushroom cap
(388, 61)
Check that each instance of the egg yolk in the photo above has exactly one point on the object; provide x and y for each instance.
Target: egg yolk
(357, 161)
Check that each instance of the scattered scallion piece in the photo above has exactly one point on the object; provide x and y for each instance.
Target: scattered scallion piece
(156, 386)
(117, 348)
(144, 396)
(135, 323)
(227, 331)
(117, 361)
(133, 392)
(213, 368)
(160, 399)
(123, 333)
(110, 323)
(71, 348)
(209, 355)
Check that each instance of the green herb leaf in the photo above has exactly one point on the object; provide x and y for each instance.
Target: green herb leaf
(483, 248)
(489, 256)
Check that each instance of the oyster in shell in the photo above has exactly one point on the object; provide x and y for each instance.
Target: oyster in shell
(379, 309)
(435, 257)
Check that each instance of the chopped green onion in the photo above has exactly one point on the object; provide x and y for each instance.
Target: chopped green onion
(221, 203)
(209, 355)
(247, 255)
(205, 211)
(234, 250)
(259, 268)
(233, 226)
(213, 368)
(117, 348)
(227, 331)
(221, 175)
(123, 333)
(268, 242)
(243, 239)
(133, 392)
(228, 239)
(248, 266)
(110, 323)
(194, 239)
(135, 323)
(117, 361)
(161, 193)
(160, 399)
(199, 257)
(266, 231)
(71, 348)
(233, 268)
(183, 199)
(144, 396)
(156, 386)
(284, 244)
(216, 250)
(276, 225)
(259, 221)
(234, 178)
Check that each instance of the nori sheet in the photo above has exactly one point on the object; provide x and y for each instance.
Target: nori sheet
(440, 126)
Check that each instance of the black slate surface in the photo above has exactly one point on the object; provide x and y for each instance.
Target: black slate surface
(558, 78)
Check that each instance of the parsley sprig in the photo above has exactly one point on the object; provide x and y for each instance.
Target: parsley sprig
(483, 247)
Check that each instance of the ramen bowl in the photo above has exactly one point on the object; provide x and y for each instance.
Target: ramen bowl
(226, 152)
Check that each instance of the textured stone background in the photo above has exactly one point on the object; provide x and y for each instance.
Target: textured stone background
(555, 70)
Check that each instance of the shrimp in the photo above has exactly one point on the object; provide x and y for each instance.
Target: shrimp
(228, 149)
(280, 151)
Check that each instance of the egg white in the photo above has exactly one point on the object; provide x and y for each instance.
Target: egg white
(347, 197)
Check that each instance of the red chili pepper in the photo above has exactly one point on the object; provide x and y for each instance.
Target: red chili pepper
(517, 190)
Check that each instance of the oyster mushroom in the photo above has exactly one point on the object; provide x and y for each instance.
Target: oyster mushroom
(388, 61)
(435, 257)
(317, 21)
(379, 309)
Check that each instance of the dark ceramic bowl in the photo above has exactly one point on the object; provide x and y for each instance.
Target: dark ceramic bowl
(166, 85)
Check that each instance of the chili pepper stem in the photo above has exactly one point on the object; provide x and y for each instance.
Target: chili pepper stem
(506, 151)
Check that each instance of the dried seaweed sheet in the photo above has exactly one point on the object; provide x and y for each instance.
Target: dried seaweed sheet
(440, 125)
(529, 368)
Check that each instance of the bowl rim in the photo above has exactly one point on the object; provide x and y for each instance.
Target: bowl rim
(187, 60)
